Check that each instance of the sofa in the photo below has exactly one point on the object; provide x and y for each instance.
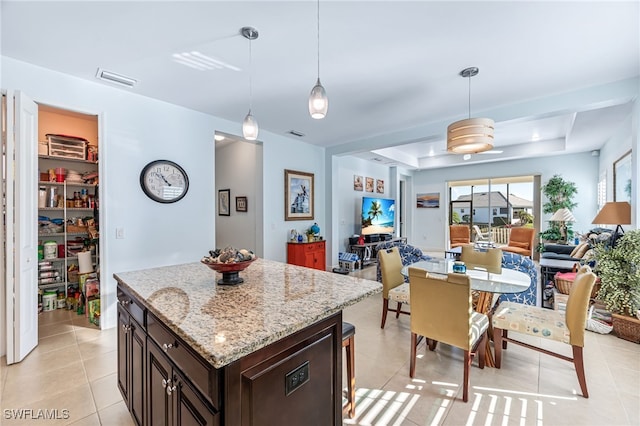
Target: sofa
(408, 253)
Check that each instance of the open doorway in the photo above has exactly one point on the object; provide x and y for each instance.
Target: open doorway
(238, 182)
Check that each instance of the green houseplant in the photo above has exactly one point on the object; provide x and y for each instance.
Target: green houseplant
(559, 194)
(619, 270)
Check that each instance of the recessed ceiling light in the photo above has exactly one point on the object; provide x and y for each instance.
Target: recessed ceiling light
(535, 137)
(199, 61)
(219, 137)
(466, 157)
(112, 77)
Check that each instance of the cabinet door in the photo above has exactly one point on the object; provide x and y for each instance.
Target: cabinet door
(138, 346)
(190, 409)
(310, 259)
(123, 354)
(159, 376)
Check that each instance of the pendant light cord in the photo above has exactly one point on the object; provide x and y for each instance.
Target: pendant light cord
(469, 96)
(318, 39)
(250, 78)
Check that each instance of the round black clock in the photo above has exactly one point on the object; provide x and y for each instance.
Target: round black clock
(164, 181)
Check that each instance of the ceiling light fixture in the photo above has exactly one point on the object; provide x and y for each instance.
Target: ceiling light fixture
(471, 135)
(250, 125)
(318, 101)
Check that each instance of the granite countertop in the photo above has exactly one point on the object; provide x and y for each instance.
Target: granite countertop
(225, 323)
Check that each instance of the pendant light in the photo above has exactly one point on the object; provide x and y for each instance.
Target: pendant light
(471, 135)
(318, 101)
(250, 125)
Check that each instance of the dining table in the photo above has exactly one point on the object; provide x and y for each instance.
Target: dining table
(487, 284)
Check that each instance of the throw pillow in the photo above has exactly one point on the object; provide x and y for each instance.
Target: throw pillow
(519, 244)
(580, 250)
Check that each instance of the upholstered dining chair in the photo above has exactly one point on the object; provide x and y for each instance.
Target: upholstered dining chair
(459, 235)
(563, 326)
(442, 312)
(520, 241)
(489, 259)
(393, 285)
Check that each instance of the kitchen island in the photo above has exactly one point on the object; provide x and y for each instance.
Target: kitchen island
(267, 351)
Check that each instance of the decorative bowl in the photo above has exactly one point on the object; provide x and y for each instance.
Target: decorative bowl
(229, 271)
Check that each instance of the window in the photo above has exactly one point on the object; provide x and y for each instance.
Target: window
(495, 211)
(461, 210)
(602, 190)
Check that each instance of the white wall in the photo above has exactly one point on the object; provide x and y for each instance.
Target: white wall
(236, 169)
(430, 225)
(136, 130)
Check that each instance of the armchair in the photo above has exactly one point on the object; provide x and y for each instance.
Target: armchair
(459, 235)
(521, 241)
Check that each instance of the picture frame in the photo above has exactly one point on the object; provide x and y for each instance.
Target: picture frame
(357, 183)
(298, 195)
(380, 186)
(224, 209)
(369, 185)
(429, 200)
(241, 204)
(622, 173)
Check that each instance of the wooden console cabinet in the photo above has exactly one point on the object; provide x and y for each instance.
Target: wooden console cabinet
(311, 255)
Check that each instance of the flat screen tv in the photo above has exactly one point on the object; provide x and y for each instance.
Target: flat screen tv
(378, 215)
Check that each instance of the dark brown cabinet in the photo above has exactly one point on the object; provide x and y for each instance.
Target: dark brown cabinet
(131, 362)
(311, 255)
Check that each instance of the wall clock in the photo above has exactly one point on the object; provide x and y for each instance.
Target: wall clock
(164, 181)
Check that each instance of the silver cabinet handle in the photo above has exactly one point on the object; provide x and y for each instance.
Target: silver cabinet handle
(126, 328)
(166, 383)
(166, 347)
(124, 302)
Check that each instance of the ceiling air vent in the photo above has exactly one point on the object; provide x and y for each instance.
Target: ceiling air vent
(296, 133)
(112, 77)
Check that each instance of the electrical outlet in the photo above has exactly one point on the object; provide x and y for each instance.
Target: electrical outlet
(119, 233)
(296, 378)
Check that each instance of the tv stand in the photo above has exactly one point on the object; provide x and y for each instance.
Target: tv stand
(367, 252)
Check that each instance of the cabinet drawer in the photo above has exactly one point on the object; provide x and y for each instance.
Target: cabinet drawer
(203, 375)
(314, 246)
(131, 305)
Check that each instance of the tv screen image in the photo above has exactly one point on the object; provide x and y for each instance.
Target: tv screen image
(378, 215)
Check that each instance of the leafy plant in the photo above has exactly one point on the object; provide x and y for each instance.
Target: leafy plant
(560, 194)
(619, 271)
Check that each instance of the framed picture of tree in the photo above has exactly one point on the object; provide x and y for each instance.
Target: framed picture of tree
(622, 178)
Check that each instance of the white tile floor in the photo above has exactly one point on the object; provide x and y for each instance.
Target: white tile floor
(74, 368)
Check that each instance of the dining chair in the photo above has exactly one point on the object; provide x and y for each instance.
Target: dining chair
(393, 285)
(489, 259)
(349, 343)
(562, 326)
(520, 241)
(459, 235)
(481, 236)
(442, 312)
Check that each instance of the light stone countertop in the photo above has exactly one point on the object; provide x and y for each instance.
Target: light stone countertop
(225, 323)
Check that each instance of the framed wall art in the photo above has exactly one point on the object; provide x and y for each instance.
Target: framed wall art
(430, 200)
(298, 195)
(241, 204)
(380, 186)
(357, 183)
(369, 184)
(223, 202)
(622, 178)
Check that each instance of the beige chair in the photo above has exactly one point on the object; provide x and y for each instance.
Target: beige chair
(480, 236)
(393, 285)
(521, 241)
(563, 326)
(489, 259)
(442, 312)
(459, 235)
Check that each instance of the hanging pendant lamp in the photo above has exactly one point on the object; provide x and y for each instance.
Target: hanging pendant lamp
(471, 135)
(250, 124)
(318, 101)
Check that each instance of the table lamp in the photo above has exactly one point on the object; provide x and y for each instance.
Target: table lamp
(563, 215)
(614, 213)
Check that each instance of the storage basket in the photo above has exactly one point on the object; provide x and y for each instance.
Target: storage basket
(627, 328)
(563, 285)
(596, 325)
(564, 281)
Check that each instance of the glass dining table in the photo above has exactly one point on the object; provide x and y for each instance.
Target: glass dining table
(487, 284)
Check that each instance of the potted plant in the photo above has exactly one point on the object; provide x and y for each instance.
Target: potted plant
(619, 270)
(559, 194)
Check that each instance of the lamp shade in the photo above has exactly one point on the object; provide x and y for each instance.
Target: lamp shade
(614, 213)
(563, 215)
(250, 128)
(470, 136)
(318, 101)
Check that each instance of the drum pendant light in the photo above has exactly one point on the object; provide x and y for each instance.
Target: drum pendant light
(250, 125)
(318, 101)
(471, 135)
